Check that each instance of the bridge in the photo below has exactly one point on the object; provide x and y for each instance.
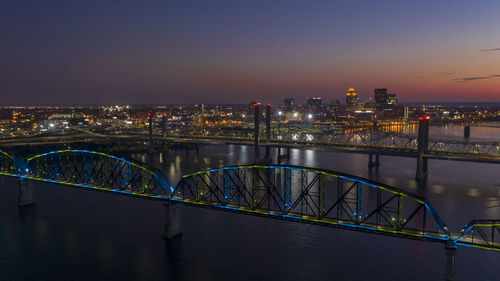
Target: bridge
(364, 140)
(374, 141)
(300, 194)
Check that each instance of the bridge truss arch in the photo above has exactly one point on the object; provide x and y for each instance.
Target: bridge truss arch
(484, 234)
(315, 196)
(7, 163)
(97, 170)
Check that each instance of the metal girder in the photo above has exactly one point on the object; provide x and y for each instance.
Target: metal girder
(369, 138)
(7, 163)
(96, 170)
(484, 234)
(296, 193)
(314, 195)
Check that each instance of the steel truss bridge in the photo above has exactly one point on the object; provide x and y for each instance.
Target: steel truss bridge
(300, 194)
(367, 140)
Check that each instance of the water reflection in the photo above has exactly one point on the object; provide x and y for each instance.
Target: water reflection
(99, 236)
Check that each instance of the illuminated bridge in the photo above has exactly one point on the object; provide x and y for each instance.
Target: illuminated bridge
(374, 141)
(301, 194)
(370, 140)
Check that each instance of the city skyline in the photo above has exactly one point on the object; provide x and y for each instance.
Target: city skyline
(232, 52)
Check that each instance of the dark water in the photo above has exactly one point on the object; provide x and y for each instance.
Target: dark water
(76, 234)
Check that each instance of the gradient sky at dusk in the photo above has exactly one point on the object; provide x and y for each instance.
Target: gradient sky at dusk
(235, 51)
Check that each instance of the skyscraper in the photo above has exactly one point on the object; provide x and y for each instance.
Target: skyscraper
(289, 102)
(380, 97)
(351, 99)
(392, 100)
(334, 108)
(314, 104)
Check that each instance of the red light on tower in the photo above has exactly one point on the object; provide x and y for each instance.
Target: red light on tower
(268, 105)
(255, 104)
(149, 114)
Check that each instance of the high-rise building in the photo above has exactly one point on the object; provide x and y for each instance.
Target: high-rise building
(334, 108)
(314, 104)
(380, 97)
(392, 100)
(351, 99)
(289, 102)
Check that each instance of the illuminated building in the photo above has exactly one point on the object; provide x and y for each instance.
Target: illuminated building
(392, 100)
(351, 100)
(289, 102)
(314, 104)
(380, 97)
(334, 108)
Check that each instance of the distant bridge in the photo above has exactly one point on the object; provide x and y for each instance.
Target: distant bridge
(366, 141)
(372, 141)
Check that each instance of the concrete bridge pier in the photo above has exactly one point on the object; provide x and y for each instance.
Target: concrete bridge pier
(283, 156)
(172, 222)
(268, 122)
(421, 169)
(268, 153)
(26, 193)
(450, 262)
(422, 148)
(467, 131)
(373, 163)
(150, 125)
(256, 128)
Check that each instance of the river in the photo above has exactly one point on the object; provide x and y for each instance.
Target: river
(74, 234)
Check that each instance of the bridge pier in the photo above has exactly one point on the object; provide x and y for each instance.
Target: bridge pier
(256, 128)
(172, 221)
(268, 154)
(422, 148)
(283, 156)
(164, 127)
(372, 163)
(421, 168)
(268, 122)
(467, 131)
(26, 193)
(150, 132)
(450, 262)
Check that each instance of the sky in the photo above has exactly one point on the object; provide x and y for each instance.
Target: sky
(236, 51)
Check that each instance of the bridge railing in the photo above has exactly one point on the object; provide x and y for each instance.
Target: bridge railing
(315, 196)
(475, 148)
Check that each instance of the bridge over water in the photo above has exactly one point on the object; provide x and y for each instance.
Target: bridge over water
(362, 140)
(374, 141)
(300, 194)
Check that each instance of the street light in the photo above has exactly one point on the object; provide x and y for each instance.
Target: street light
(310, 116)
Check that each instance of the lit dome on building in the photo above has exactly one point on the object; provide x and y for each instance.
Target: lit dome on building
(351, 92)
